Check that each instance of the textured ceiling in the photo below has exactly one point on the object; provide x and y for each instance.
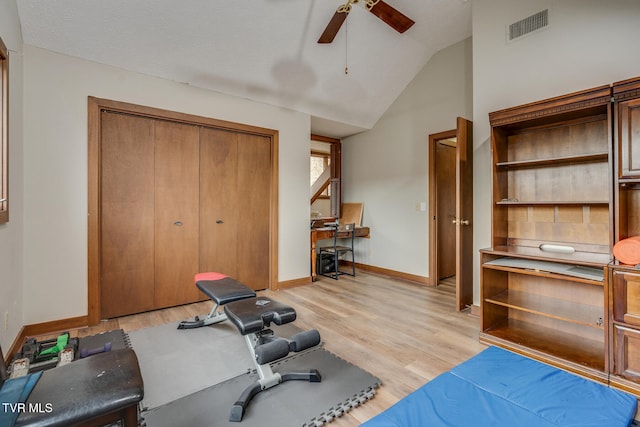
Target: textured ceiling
(264, 50)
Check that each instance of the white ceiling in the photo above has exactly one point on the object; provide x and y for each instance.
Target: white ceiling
(264, 50)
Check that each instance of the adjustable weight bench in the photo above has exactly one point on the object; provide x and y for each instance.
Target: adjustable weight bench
(252, 316)
(222, 290)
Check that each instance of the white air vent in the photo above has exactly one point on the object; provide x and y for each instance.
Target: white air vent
(528, 25)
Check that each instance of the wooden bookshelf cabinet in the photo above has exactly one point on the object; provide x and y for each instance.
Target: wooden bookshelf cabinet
(625, 279)
(552, 219)
(565, 190)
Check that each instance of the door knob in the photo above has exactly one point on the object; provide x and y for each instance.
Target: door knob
(462, 221)
(178, 223)
(219, 221)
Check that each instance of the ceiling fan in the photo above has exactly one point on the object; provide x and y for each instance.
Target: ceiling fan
(379, 8)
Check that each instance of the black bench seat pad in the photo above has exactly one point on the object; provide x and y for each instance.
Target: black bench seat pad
(85, 389)
(222, 289)
(254, 314)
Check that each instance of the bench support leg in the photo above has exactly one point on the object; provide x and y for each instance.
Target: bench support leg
(268, 379)
(214, 316)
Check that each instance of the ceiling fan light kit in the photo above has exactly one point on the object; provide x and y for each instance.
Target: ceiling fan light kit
(379, 8)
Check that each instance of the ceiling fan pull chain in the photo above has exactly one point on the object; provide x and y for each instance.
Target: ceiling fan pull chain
(346, 48)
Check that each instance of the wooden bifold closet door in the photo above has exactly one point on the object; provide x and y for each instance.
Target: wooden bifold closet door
(177, 226)
(176, 199)
(234, 205)
(128, 212)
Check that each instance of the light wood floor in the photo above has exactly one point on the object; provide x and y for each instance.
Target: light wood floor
(403, 333)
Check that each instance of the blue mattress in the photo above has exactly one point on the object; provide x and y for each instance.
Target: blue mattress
(500, 388)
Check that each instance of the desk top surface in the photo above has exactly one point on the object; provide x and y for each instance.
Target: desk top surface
(333, 229)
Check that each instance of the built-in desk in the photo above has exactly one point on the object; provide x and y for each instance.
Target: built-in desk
(327, 233)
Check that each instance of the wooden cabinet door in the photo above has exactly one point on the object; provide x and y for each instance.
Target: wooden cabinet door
(127, 215)
(176, 213)
(629, 138)
(219, 216)
(626, 298)
(626, 315)
(627, 352)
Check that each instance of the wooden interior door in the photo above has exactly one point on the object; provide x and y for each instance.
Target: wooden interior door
(254, 200)
(126, 215)
(218, 201)
(177, 227)
(446, 207)
(464, 213)
(438, 220)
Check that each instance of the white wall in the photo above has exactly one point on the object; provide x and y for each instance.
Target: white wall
(55, 172)
(387, 168)
(588, 43)
(11, 259)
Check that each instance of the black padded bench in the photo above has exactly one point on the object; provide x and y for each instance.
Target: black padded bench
(253, 315)
(222, 290)
(97, 390)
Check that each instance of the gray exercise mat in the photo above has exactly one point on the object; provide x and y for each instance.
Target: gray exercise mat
(178, 362)
(292, 403)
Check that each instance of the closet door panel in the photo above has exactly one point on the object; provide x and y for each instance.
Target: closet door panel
(176, 206)
(254, 197)
(126, 215)
(219, 192)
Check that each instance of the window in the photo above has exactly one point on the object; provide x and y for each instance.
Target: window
(320, 163)
(4, 133)
(325, 168)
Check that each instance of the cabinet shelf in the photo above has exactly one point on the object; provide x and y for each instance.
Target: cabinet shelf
(553, 161)
(590, 259)
(568, 311)
(539, 273)
(508, 202)
(552, 270)
(629, 182)
(573, 348)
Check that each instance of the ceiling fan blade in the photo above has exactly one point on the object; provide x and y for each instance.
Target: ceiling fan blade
(334, 26)
(391, 16)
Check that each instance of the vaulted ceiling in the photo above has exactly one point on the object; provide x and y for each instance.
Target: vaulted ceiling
(264, 50)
